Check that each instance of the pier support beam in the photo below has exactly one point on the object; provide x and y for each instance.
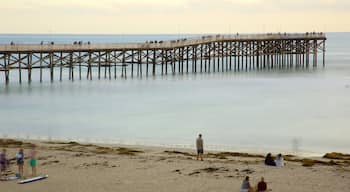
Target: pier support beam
(7, 78)
(51, 67)
(324, 53)
(29, 67)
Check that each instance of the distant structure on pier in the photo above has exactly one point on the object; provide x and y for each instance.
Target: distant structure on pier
(206, 54)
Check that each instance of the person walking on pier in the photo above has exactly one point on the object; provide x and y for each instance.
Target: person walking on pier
(200, 149)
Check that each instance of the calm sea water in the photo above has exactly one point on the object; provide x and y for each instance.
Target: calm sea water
(304, 111)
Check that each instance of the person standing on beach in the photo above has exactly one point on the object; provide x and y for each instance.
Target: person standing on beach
(200, 149)
(20, 162)
(3, 161)
(32, 162)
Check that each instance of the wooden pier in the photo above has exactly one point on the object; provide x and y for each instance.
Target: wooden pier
(206, 54)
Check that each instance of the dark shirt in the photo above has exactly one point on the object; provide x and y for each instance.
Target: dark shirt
(2, 158)
(262, 186)
(270, 161)
(3, 162)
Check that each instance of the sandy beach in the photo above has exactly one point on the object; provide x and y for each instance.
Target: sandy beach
(87, 167)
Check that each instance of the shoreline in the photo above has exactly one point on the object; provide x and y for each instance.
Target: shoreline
(188, 147)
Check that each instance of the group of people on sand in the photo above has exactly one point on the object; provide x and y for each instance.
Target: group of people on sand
(246, 186)
(270, 161)
(5, 162)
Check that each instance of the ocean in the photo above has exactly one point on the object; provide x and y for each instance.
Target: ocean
(303, 112)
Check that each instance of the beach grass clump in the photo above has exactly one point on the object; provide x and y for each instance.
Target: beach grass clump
(103, 150)
(14, 143)
(216, 156)
(289, 157)
(308, 162)
(73, 146)
(127, 151)
(312, 162)
(224, 155)
(180, 153)
(335, 155)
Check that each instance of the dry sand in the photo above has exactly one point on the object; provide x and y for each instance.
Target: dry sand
(89, 168)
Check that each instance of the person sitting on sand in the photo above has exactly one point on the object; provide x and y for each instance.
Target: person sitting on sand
(3, 161)
(279, 161)
(245, 187)
(262, 186)
(20, 162)
(32, 162)
(269, 160)
(200, 149)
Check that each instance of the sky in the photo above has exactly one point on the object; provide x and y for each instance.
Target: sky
(173, 16)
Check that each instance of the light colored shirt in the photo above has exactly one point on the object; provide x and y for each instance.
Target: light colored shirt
(245, 185)
(199, 143)
(279, 162)
(19, 156)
